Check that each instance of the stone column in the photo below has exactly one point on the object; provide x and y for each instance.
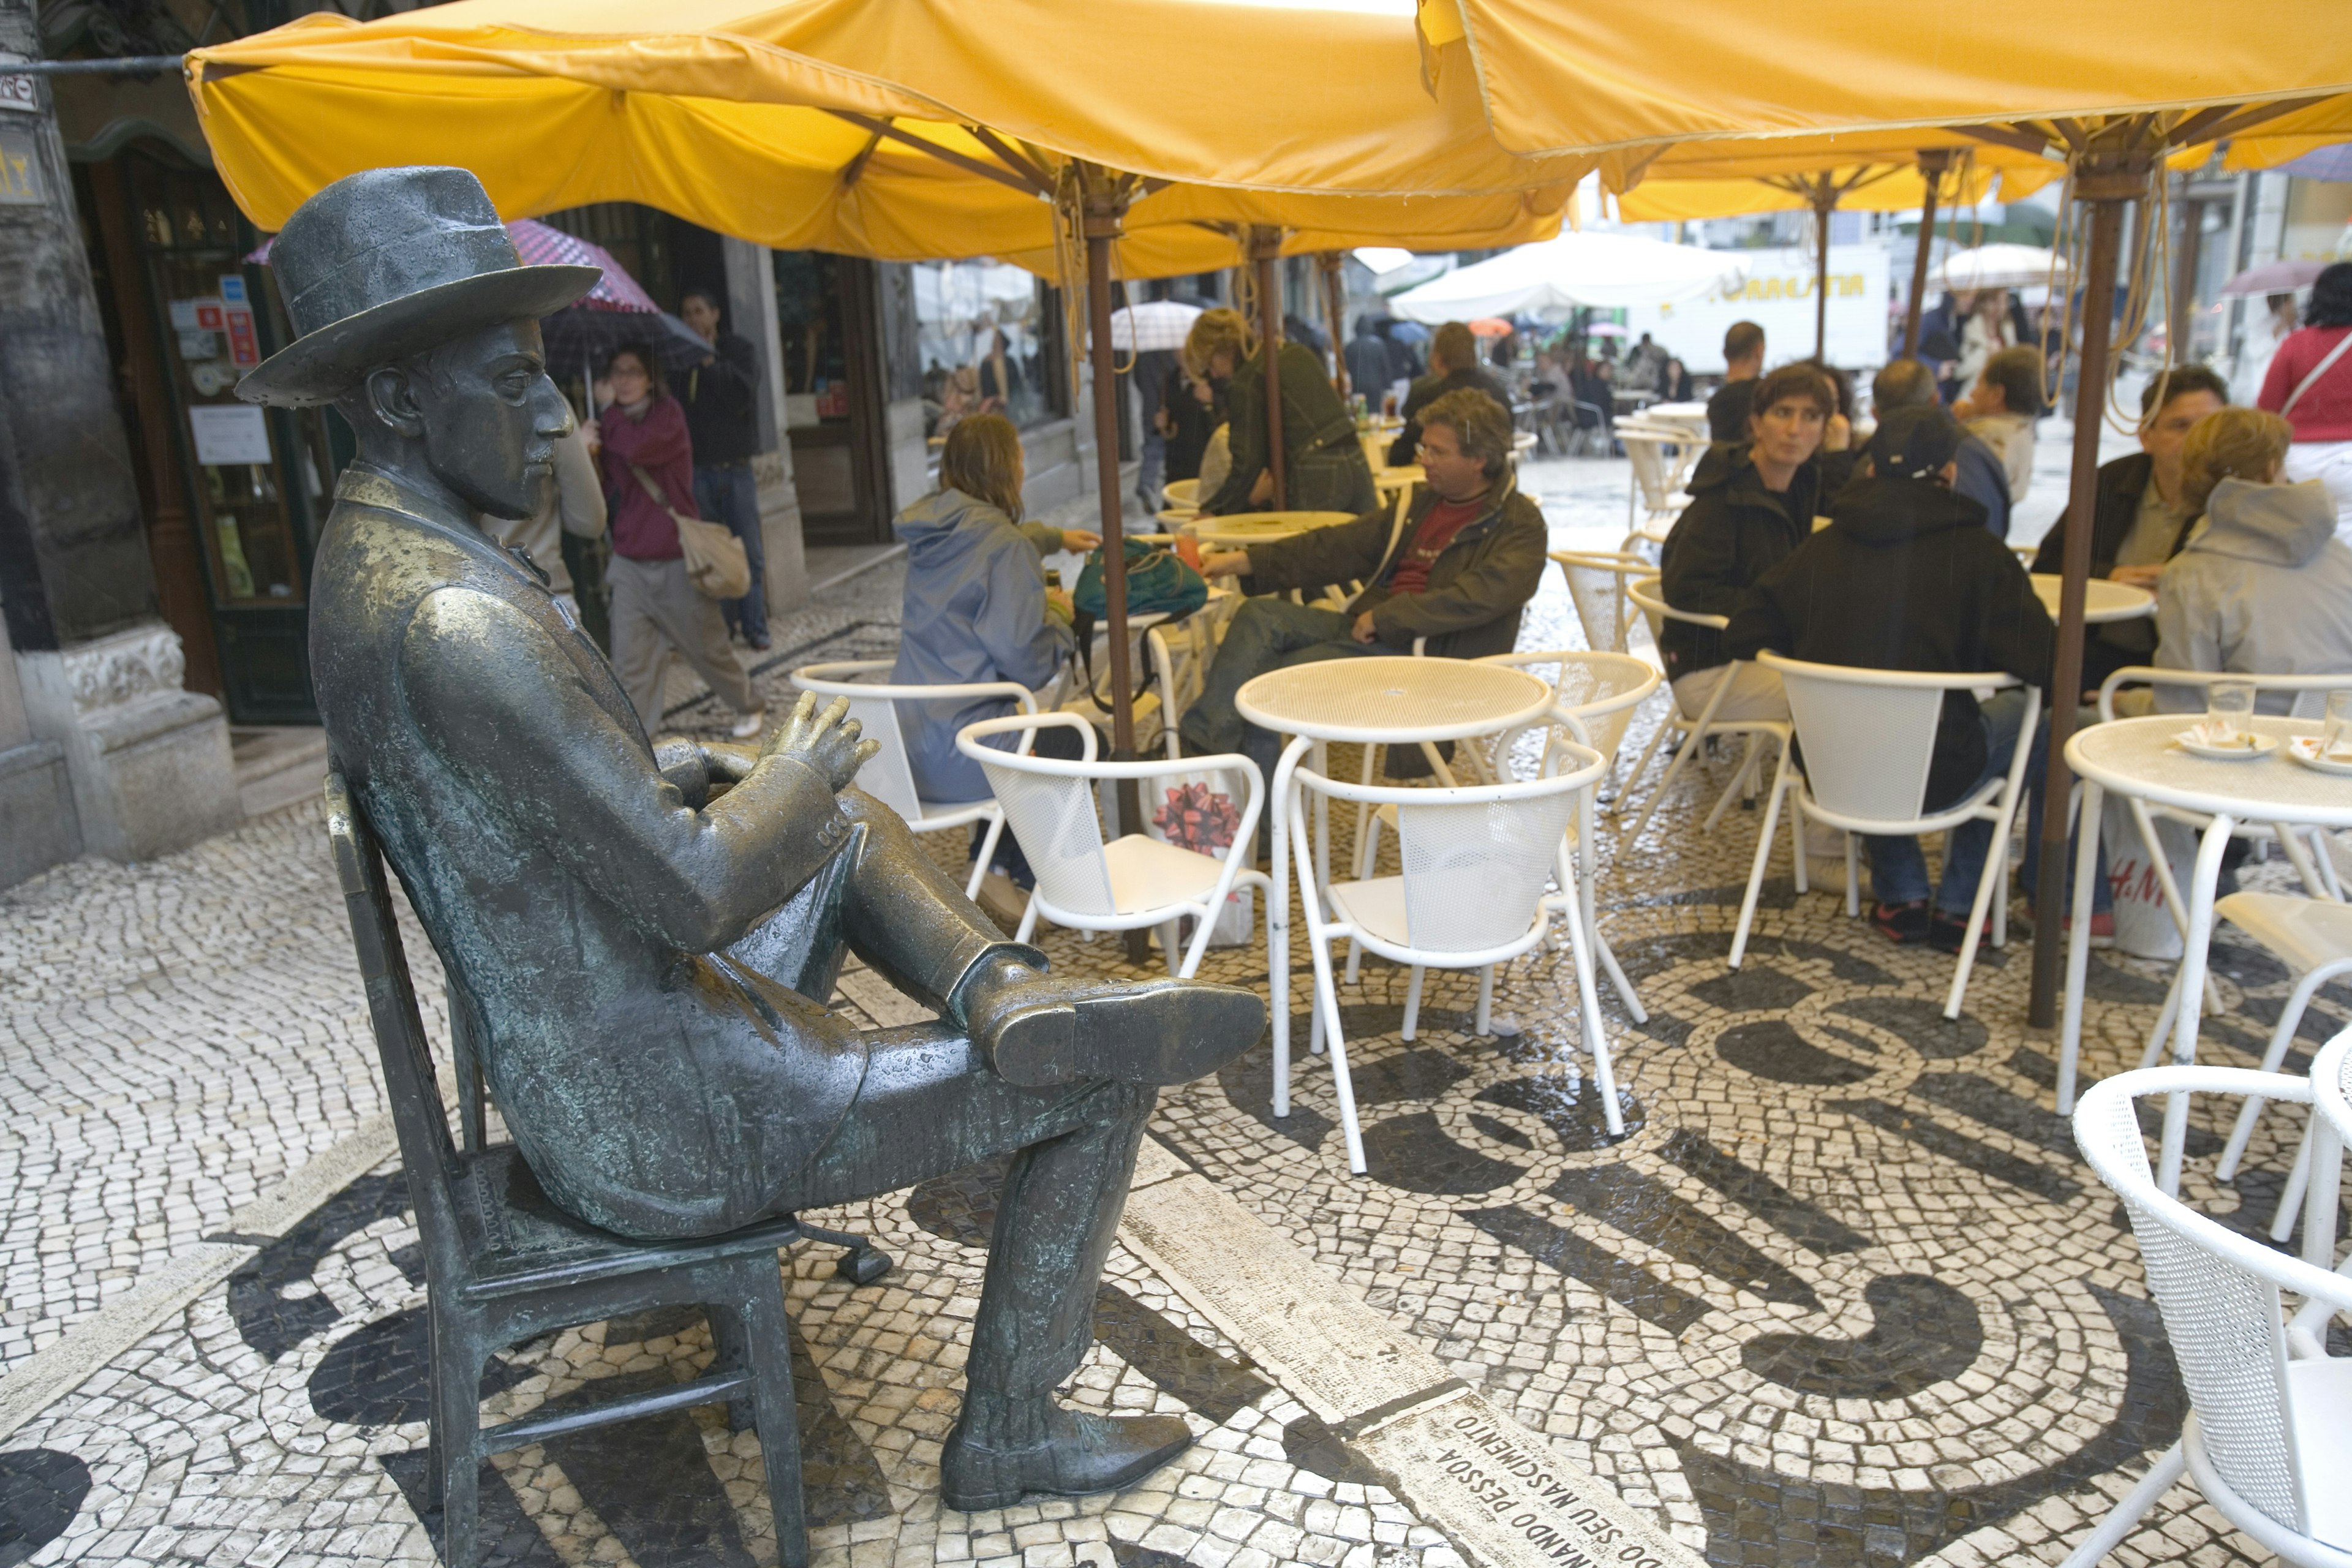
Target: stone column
(37, 825)
(751, 307)
(100, 671)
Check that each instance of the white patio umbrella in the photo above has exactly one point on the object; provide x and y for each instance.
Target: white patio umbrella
(2002, 267)
(1154, 324)
(1603, 272)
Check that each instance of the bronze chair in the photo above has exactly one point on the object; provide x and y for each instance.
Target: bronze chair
(503, 1265)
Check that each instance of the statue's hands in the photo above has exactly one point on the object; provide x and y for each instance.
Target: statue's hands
(826, 742)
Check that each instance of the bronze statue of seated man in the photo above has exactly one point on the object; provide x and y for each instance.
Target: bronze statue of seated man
(645, 959)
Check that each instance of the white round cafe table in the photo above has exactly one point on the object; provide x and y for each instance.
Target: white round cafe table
(2101, 601)
(2137, 758)
(1264, 527)
(1378, 700)
(1677, 413)
(1402, 477)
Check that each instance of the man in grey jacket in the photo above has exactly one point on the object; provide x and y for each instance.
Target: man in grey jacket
(1456, 568)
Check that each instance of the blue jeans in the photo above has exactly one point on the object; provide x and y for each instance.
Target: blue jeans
(1153, 467)
(1269, 632)
(1898, 872)
(727, 493)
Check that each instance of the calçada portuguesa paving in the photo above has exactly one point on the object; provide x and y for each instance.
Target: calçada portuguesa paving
(1843, 1295)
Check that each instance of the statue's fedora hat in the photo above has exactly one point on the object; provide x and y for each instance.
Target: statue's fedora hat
(387, 263)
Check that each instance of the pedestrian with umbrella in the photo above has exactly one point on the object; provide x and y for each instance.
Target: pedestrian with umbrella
(1152, 335)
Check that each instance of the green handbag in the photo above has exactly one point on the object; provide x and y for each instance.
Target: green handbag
(1157, 582)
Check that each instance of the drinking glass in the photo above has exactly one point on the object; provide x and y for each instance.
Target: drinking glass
(2228, 705)
(2337, 729)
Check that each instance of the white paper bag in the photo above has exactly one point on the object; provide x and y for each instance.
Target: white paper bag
(2144, 927)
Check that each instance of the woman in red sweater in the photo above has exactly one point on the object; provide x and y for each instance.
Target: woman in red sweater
(648, 461)
(2310, 382)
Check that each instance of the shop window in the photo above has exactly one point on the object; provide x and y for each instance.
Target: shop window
(985, 343)
(212, 334)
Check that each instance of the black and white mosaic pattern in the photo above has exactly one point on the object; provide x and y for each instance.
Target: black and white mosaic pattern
(1842, 1293)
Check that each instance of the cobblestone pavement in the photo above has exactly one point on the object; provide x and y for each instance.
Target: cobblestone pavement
(1842, 1294)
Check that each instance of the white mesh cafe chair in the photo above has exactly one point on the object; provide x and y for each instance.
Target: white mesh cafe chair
(887, 776)
(1596, 587)
(1869, 738)
(1133, 882)
(1650, 597)
(1479, 867)
(2269, 1437)
(1596, 694)
(1660, 457)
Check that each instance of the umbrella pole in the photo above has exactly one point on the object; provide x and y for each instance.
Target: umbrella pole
(2107, 185)
(1932, 166)
(1265, 245)
(1335, 305)
(1102, 223)
(1824, 201)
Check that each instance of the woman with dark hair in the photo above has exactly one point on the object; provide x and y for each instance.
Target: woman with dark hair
(2310, 382)
(1750, 506)
(977, 609)
(648, 461)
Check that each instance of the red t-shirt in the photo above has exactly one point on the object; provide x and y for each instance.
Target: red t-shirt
(1438, 529)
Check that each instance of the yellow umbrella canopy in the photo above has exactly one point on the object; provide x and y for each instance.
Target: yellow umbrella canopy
(1559, 78)
(1666, 194)
(749, 121)
(1144, 136)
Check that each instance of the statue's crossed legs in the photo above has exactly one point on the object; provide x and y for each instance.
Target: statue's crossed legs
(936, 1098)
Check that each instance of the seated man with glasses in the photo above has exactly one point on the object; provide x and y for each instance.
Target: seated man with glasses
(1456, 568)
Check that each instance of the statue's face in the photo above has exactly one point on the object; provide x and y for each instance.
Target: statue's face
(491, 418)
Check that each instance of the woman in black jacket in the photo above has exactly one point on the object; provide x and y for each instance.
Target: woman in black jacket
(1751, 505)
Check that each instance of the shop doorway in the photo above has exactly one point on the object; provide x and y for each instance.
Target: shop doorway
(234, 493)
(834, 412)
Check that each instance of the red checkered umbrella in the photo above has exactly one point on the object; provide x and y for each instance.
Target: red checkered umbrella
(540, 246)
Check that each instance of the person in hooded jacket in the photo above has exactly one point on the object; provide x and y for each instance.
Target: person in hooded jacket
(976, 607)
(1751, 505)
(1906, 576)
(2264, 586)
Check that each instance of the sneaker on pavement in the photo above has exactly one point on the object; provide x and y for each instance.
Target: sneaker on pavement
(750, 724)
(1946, 932)
(1901, 922)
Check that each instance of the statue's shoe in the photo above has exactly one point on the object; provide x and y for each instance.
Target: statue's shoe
(1051, 1030)
(1084, 1455)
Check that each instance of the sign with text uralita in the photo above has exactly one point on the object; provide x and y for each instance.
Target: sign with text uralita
(229, 433)
(1778, 296)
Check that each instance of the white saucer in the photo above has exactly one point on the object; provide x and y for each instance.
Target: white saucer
(2263, 746)
(2304, 749)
